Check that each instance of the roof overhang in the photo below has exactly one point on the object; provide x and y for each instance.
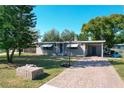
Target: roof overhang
(97, 41)
(119, 44)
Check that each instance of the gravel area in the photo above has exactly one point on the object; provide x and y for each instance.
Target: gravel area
(92, 72)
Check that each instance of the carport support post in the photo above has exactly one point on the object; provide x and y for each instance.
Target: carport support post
(63, 50)
(101, 49)
(84, 49)
(69, 53)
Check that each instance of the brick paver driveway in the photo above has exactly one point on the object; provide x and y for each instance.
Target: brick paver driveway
(91, 72)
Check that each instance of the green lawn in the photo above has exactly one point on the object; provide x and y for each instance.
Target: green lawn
(8, 76)
(118, 64)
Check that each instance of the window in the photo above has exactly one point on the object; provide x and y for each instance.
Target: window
(47, 46)
(72, 46)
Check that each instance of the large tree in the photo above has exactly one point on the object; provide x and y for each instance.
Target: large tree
(25, 23)
(105, 28)
(68, 35)
(16, 23)
(54, 35)
(119, 38)
(51, 36)
(83, 36)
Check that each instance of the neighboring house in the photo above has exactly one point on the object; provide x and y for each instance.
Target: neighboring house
(118, 48)
(73, 48)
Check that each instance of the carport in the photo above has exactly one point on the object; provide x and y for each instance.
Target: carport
(94, 49)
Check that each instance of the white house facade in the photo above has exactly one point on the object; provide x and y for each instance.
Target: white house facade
(73, 48)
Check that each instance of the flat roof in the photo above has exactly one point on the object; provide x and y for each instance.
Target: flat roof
(97, 41)
(119, 44)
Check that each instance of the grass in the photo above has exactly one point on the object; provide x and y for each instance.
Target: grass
(118, 64)
(8, 76)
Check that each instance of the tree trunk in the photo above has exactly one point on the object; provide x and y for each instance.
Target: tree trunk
(7, 54)
(10, 56)
(20, 51)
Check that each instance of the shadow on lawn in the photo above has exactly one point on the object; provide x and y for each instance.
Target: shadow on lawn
(8, 68)
(41, 61)
(92, 63)
(116, 62)
(42, 76)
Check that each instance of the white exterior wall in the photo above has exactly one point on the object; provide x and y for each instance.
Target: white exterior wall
(83, 46)
(79, 51)
(39, 51)
(82, 50)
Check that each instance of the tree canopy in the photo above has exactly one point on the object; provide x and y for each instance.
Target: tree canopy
(51, 36)
(109, 28)
(67, 35)
(83, 36)
(16, 23)
(54, 35)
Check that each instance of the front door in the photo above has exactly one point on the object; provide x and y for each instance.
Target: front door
(61, 49)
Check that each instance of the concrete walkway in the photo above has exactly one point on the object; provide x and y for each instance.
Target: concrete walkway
(87, 73)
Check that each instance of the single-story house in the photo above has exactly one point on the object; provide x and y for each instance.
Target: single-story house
(73, 48)
(119, 46)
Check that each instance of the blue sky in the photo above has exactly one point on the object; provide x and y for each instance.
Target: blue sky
(70, 17)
